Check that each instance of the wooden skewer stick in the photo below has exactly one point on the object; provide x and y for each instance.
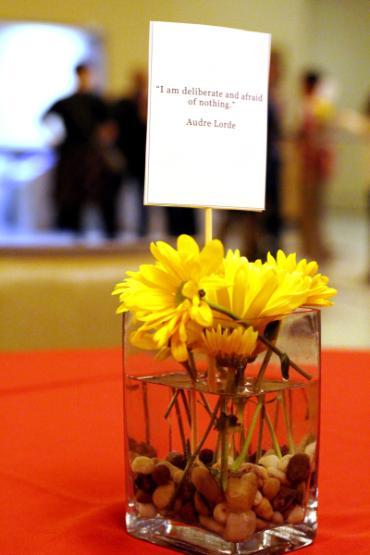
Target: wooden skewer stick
(208, 225)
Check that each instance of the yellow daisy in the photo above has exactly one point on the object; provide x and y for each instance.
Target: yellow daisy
(318, 291)
(230, 347)
(164, 296)
(258, 291)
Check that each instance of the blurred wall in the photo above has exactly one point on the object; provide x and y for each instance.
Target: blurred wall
(339, 44)
(124, 24)
(326, 33)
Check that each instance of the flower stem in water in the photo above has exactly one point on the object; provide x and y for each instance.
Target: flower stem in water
(260, 431)
(288, 424)
(195, 453)
(274, 439)
(244, 452)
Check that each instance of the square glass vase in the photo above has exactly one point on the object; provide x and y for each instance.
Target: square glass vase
(224, 459)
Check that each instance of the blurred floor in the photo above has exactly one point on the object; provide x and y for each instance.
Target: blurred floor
(346, 325)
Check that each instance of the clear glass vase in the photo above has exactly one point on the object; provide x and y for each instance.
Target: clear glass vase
(225, 459)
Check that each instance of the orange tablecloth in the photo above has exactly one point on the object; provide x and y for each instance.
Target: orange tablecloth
(61, 464)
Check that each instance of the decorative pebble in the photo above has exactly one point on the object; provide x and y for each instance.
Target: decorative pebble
(188, 512)
(210, 524)
(142, 465)
(206, 456)
(177, 475)
(258, 498)
(301, 492)
(283, 462)
(146, 510)
(240, 526)
(161, 474)
(310, 450)
(261, 524)
(187, 491)
(241, 492)
(271, 487)
(277, 518)
(296, 515)
(269, 460)
(200, 505)
(206, 484)
(276, 473)
(145, 482)
(298, 468)
(284, 499)
(264, 509)
(260, 471)
(143, 496)
(146, 449)
(220, 513)
(163, 494)
(177, 459)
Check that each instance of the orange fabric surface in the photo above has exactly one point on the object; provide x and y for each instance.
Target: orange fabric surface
(62, 468)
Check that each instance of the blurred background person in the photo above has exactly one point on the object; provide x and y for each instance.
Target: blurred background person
(261, 232)
(181, 220)
(271, 221)
(130, 115)
(84, 173)
(316, 160)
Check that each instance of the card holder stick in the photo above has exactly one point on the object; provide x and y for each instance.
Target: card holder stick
(208, 225)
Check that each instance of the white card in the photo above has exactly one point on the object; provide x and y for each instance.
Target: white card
(207, 116)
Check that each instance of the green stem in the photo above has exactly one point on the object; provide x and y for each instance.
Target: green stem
(197, 450)
(205, 403)
(275, 442)
(172, 402)
(186, 405)
(146, 412)
(288, 425)
(266, 360)
(240, 412)
(224, 442)
(262, 370)
(260, 431)
(181, 427)
(244, 452)
(193, 366)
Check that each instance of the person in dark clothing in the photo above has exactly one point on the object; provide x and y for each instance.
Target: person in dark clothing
(82, 174)
(181, 220)
(261, 232)
(272, 222)
(130, 116)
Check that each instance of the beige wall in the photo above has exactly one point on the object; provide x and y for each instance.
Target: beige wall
(124, 24)
(339, 44)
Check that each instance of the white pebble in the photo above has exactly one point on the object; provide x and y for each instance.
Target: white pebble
(269, 460)
(142, 465)
(258, 498)
(276, 473)
(284, 461)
